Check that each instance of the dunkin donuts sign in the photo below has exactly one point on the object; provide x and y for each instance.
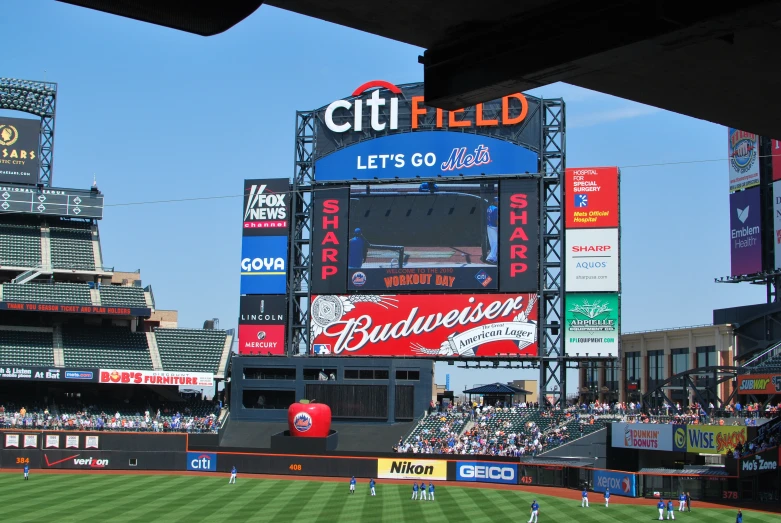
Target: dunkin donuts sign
(642, 436)
(430, 325)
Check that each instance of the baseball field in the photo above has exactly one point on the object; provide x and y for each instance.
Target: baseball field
(191, 498)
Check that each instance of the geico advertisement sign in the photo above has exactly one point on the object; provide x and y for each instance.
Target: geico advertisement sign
(203, 462)
(263, 264)
(592, 260)
(486, 473)
(620, 484)
(642, 436)
(412, 469)
(713, 440)
(758, 463)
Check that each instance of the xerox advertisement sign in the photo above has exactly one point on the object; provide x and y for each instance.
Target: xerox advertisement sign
(745, 220)
(266, 207)
(263, 264)
(425, 154)
(619, 483)
(425, 325)
(592, 260)
(592, 198)
(506, 473)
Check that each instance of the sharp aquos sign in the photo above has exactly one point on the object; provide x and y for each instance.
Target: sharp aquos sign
(428, 325)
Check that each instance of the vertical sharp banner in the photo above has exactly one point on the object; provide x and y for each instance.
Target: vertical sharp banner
(519, 235)
(745, 221)
(592, 261)
(777, 221)
(775, 151)
(743, 151)
(330, 240)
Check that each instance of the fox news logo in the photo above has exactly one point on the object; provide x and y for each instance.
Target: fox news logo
(265, 208)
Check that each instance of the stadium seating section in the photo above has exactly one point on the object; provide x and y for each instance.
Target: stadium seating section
(122, 296)
(105, 348)
(71, 246)
(70, 293)
(26, 348)
(20, 245)
(190, 349)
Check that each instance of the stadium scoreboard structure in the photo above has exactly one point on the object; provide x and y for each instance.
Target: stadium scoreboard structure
(418, 232)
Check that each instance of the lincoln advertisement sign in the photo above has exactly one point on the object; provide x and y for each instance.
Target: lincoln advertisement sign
(428, 325)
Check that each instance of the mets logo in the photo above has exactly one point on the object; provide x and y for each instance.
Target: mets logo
(680, 437)
(8, 135)
(359, 279)
(302, 422)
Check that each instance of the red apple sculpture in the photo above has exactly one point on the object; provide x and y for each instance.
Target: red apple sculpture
(307, 419)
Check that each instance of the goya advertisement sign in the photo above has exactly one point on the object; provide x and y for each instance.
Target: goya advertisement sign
(427, 325)
(591, 324)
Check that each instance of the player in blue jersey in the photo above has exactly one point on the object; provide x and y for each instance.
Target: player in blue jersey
(681, 502)
(670, 510)
(535, 510)
(371, 486)
(584, 499)
(431, 490)
(357, 250)
(607, 497)
(26, 472)
(422, 491)
(660, 506)
(415, 490)
(739, 519)
(233, 475)
(352, 485)
(492, 230)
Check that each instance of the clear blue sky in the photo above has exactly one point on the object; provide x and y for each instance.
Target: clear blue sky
(159, 114)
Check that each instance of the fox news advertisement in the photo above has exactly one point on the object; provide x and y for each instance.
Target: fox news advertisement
(425, 325)
(266, 207)
(19, 141)
(385, 131)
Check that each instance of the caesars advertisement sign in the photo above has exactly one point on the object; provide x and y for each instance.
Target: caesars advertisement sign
(19, 139)
(408, 139)
(428, 325)
(591, 324)
(759, 384)
(743, 152)
(419, 469)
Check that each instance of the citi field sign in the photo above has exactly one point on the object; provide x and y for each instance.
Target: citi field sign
(386, 131)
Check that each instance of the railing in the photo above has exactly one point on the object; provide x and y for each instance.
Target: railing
(769, 353)
(670, 329)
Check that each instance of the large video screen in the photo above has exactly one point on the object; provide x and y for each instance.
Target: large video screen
(427, 236)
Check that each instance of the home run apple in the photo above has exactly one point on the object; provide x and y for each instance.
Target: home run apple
(307, 419)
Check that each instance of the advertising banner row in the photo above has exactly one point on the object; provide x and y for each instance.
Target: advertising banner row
(592, 262)
(50, 441)
(698, 439)
(759, 384)
(139, 312)
(47, 374)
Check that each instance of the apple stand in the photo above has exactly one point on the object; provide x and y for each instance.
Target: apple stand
(283, 442)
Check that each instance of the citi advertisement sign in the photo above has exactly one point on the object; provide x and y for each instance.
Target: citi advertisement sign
(745, 219)
(487, 473)
(619, 483)
(201, 462)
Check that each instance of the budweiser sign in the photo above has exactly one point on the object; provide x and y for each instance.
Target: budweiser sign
(431, 325)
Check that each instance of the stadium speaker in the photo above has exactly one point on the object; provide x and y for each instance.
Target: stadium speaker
(555, 329)
(208, 324)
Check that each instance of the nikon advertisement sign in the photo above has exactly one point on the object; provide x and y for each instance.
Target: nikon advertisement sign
(591, 324)
(414, 469)
(19, 150)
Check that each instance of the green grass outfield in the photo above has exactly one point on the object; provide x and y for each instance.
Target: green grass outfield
(142, 498)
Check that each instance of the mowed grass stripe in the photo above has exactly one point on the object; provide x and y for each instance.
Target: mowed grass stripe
(470, 510)
(197, 502)
(501, 509)
(391, 498)
(242, 500)
(291, 510)
(311, 506)
(140, 491)
(169, 491)
(290, 494)
(337, 502)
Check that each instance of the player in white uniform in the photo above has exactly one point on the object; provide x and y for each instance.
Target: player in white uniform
(371, 486)
(607, 497)
(535, 511)
(415, 490)
(423, 491)
(681, 502)
(431, 490)
(352, 485)
(233, 475)
(584, 499)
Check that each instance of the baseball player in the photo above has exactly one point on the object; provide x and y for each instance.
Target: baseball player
(584, 500)
(352, 485)
(739, 519)
(357, 250)
(535, 510)
(431, 490)
(681, 502)
(371, 486)
(233, 475)
(415, 490)
(423, 491)
(607, 497)
(670, 510)
(660, 506)
(26, 472)
(492, 217)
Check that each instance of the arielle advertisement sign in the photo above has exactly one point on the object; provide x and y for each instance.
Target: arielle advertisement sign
(745, 232)
(428, 325)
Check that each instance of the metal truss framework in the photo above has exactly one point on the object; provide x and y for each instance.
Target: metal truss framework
(703, 393)
(40, 99)
(551, 361)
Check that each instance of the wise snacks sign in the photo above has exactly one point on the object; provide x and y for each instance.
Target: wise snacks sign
(428, 325)
(156, 377)
(703, 439)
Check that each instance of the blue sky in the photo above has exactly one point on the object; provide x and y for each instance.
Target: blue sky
(157, 114)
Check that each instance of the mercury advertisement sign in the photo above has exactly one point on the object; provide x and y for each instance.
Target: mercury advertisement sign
(745, 232)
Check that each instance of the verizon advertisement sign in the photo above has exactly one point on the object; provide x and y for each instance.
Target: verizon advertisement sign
(428, 326)
(155, 377)
(266, 207)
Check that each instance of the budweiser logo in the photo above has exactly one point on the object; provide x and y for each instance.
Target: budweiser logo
(337, 317)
